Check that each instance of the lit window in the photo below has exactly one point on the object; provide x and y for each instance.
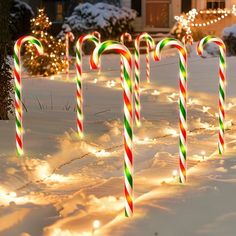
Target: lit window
(59, 11)
(214, 4)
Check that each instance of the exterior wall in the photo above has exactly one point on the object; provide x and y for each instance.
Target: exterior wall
(126, 3)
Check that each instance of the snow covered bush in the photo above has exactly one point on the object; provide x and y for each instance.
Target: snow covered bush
(108, 19)
(21, 13)
(229, 37)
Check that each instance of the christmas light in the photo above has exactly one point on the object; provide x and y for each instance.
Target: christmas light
(187, 21)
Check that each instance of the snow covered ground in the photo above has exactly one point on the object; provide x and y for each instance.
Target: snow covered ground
(63, 184)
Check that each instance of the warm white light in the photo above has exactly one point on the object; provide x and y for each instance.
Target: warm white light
(175, 173)
(203, 153)
(96, 224)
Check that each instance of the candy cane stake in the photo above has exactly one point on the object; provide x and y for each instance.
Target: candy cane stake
(69, 37)
(222, 84)
(122, 39)
(98, 35)
(18, 87)
(79, 72)
(128, 108)
(151, 46)
(187, 39)
(182, 99)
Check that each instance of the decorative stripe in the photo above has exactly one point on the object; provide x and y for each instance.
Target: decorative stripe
(79, 78)
(18, 87)
(182, 100)
(222, 83)
(150, 46)
(68, 37)
(128, 110)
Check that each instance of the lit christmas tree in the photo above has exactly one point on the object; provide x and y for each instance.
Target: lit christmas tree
(53, 61)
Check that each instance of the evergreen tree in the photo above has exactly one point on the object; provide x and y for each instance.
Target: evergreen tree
(53, 60)
(6, 87)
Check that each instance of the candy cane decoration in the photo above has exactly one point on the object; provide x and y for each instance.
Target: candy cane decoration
(18, 87)
(79, 72)
(69, 37)
(128, 108)
(182, 99)
(122, 39)
(98, 35)
(222, 84)
(151, 46)
(187, 39)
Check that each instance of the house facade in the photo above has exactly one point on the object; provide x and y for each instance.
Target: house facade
(158, 15)
(153, 15)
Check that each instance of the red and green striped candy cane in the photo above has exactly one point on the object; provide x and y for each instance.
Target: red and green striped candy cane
(99, 36)
(150, 46)
(122, 39)
(68, 37)
(18, 87)
(187, 39)
(79, 78)
(222, 84)
(128, 110)
(171, 42)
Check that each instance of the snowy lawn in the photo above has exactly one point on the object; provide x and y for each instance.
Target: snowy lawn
(63, 184)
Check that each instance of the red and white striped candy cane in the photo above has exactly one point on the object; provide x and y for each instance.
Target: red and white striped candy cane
(79, 79)
(18, 87)
(68, 37)
(182, 99)
(128, 112)
(122, 39)
(151, 46)
(222, 84)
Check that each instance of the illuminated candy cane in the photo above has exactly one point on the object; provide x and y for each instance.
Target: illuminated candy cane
(151, 46)
(79, 93)
(69, 37)
(222, 84)
(122, 39)
(98, 35)
(128, 110)
(18, 87)
(182, 99)
(187, 39)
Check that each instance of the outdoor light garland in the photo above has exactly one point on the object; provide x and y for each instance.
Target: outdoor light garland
(187, 21)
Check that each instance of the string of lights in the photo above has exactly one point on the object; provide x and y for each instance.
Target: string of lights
(188, 20)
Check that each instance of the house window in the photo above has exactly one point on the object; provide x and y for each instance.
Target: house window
(137, 6)
(59, 9)
(214, 4)
(186, 5)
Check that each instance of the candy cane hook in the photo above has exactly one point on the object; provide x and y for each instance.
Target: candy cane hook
(151, 46)
(222, 84)
(128, 110)
(79, 79)
(122, 39)
(68, 37)
(182, 99)
(98, 35)
(18, 87)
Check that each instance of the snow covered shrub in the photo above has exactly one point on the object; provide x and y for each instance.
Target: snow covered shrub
(108, 19)
(229, 37)
(21, 13)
